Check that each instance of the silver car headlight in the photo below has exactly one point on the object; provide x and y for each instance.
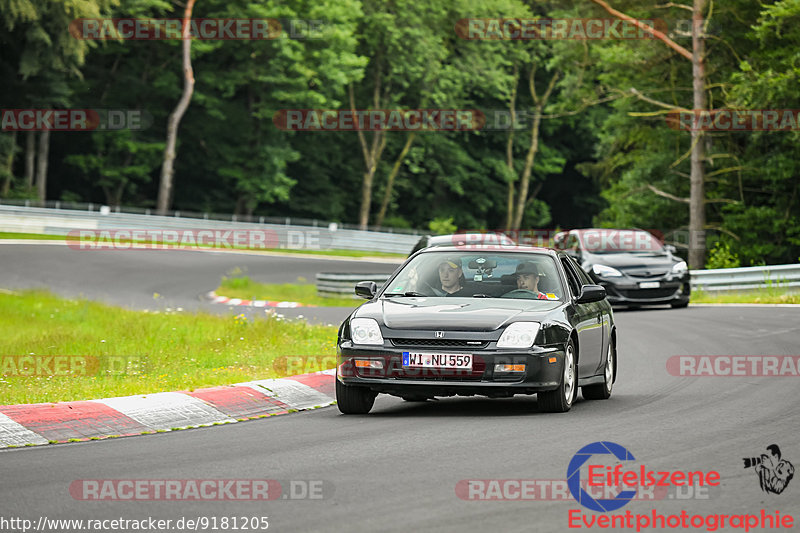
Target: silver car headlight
(366, 331)
(519, 335)
(606, 271)
(679, 269)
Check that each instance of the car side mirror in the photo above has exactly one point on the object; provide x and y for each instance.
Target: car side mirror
(366, 289)
(670, 248)
(591, 293)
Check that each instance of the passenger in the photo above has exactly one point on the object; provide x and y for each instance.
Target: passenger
(528, 279)
(452, 277)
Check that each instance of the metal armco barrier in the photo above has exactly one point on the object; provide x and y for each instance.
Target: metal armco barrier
(744, 278)
(338, 285)
(723, 279)
(322, 236)
(50, 221)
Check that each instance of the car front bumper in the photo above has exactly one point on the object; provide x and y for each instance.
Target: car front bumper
(628, 292)
(544, 367)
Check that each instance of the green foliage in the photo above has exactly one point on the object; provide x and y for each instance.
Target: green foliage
(606, 154)
(720, 256)
(442, 226)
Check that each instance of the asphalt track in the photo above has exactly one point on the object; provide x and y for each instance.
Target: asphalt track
(180, 278)
(397, 468)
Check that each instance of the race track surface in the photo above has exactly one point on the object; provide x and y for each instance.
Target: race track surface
(130, 278)
(397, 468)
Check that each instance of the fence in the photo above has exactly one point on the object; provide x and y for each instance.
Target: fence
(58, 221)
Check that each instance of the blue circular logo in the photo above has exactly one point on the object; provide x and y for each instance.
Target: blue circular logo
(574, 476)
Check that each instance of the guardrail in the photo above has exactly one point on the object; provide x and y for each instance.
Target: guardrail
(51, 221)
(723, 279)
(746, 278)
(332, 284)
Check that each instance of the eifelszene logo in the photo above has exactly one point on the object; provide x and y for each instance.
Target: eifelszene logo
(774, 473)
(574, 476)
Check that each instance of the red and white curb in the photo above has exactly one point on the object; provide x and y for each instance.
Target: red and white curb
(252, 303)
(43, 423)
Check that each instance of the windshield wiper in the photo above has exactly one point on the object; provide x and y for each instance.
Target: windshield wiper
(407, 293)
(481, 295)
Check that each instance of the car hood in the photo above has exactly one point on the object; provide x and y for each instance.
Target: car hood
(480, 314)
(624, 260)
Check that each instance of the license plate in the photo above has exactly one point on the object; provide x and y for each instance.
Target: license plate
(437, 360)
(649, 284)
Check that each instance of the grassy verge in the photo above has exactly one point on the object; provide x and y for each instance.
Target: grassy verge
(180, 351)
(245, 288)
(337, 253)
(768, 295)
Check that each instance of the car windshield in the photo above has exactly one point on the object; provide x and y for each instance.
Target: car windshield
(608, 241)
(478, 275)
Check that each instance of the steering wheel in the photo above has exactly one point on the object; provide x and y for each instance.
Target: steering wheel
(520, 292)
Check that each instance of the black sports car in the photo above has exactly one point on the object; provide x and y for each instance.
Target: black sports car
(632, 265)
(451, 322)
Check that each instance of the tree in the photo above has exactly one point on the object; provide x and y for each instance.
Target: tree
(40, 56)
(167, 170)
(697, 217)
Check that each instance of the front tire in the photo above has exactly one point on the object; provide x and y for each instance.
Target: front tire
(602, 391)
(354, 400)
(680, 305)
(561, 399)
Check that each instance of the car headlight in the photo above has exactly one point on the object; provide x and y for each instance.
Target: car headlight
(366, 331)
(679, 269)
(519, 335)
(606, 271)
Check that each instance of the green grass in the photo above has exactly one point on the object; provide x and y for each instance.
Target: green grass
(247, 289)
(337, 253)
(9, 235)
(768, 295)
(182, 351)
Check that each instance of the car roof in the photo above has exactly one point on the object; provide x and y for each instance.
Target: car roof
(584, 230)
(490, 248)
(439, 240)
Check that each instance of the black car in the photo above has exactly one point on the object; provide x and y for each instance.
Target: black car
(633, 266)
(449, 322)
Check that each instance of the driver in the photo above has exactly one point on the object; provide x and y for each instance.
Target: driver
(528, 279)
(452, 276)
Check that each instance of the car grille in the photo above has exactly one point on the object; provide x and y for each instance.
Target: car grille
(644, 273)
(444, 343)
(645, 294)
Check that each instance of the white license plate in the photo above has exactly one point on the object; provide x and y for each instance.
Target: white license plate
(437, 360)
(649, 284)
